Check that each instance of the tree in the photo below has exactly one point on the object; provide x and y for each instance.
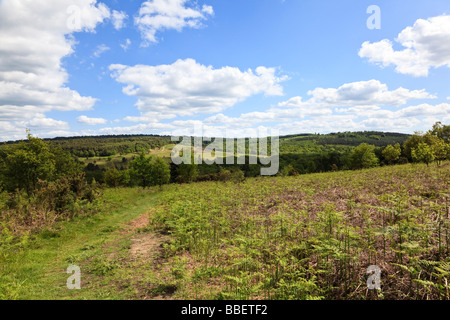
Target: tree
(65, 163)
(392, 153)
(142, 170)
(440, 150)
(363, 156)
(27, 163)
(187, 173)
(441, 131)
(113, 178)
(413, 142)
(161, 172)
(423, 153)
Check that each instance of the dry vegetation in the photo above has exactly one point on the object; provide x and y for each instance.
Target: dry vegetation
(310, 237)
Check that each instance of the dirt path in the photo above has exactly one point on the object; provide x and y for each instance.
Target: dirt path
(145, 245)
(146, 249)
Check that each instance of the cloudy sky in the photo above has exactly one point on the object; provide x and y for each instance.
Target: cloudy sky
(85, 67)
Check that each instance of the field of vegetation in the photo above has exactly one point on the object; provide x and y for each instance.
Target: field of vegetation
(153, 230)
(303, 237)
(310, 237)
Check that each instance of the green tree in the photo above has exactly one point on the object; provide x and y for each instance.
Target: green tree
(161, 172)
(413, 142)
(440, 150)
(392, 153)
(441, 131)
(113, 178)
(65, 163)
(187, 173)
(142, 169)
(27, 163)
(423, 153)
(363, 156)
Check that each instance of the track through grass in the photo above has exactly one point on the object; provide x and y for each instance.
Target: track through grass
(97, 244)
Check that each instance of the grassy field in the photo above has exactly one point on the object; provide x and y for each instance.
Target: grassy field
(304, 237)
(117, 159)
(98, 244)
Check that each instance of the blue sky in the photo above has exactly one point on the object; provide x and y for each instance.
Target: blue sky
(85, 67)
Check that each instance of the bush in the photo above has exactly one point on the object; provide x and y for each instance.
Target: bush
(363, 157)
(52, 201)
(238, 176)
(113, 178)
(423, 153)
(392, 153)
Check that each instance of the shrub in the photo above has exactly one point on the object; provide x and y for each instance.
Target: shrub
(363, 157)
(392, 153)
(238, 176)
(423, 153)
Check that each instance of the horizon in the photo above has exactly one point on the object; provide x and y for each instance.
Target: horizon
(212, 137)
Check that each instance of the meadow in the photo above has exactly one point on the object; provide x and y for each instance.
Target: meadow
(310, 237)
(300, 237)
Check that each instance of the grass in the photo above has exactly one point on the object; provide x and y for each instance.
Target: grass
(310, 237)
(94, 243)
(102, 162)
(305, 237)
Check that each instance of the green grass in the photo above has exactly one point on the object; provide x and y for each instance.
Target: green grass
(116, 160)
(304, 237)
(311, 237)
(38, 272)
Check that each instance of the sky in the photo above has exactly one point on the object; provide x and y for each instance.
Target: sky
(86, 67)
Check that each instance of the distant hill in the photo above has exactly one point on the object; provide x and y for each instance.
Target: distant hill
(109, 145)
(379, 139)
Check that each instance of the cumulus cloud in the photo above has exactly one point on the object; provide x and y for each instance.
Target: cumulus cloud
(40, 123)
(364, 105)
(353, 106)
(35, 36)
(427, 45)
(422, 110)
(159, 15)
(91, 121)
(186, 87)
(363, 93)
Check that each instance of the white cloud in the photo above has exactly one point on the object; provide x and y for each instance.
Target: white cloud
(353, 106)
(35, 36)
(427, 46)
(424, 110)
(159, 15)
(363, 93)
(41, 123)
(100, 50)
(118, 19)
(91, 121)
(126, 44)
(186, 87)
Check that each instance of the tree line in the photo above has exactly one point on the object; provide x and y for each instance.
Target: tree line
(309, 158)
